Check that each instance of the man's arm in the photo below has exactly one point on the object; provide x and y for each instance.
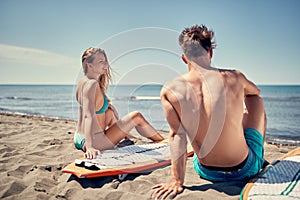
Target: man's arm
(178, 146)
(249, 87)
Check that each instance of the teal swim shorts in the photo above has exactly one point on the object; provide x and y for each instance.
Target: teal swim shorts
(251, 167)
(79, 140)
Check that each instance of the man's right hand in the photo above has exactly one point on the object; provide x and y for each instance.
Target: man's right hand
(163, 190)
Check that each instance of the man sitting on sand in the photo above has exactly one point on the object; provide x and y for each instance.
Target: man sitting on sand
(206, 105)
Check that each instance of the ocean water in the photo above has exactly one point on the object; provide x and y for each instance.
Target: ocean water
(282, 104)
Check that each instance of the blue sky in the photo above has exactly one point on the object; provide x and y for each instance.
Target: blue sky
(41, 42)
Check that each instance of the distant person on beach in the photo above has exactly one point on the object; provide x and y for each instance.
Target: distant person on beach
(218, 110)
(99, 126)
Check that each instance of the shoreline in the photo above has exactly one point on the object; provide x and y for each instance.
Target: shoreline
(34, 150)
(289, 140)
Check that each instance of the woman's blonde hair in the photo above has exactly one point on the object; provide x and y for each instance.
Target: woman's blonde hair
(88, 57)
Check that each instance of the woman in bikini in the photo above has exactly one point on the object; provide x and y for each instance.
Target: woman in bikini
(99, 126)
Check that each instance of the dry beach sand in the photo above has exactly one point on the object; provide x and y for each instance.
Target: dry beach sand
(34, 150)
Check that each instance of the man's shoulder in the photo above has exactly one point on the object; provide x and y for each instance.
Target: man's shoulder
(176, 84)
(231, 73)
(176, 88)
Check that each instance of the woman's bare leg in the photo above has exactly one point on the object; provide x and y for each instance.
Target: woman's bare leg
(127, 123)
(111, 119)
(119, 130)
(144, 128)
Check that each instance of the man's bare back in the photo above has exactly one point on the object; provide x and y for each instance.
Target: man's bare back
(229, 147)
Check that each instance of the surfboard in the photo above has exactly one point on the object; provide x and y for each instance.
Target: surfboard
(122, 161)
(279, 180)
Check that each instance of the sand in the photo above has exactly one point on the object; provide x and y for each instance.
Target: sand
(34, 150)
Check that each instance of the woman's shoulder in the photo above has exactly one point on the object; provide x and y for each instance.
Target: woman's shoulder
(88, 86)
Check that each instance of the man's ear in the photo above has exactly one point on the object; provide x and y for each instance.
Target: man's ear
(211, 52)
(88, 65)
(184, 59)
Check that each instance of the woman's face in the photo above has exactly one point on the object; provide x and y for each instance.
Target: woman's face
(99, 64)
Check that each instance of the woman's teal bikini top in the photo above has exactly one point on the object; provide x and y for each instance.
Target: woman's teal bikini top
(105, 103)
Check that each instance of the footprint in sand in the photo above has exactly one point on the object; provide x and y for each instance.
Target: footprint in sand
(53, 141)
(12, 188)
(44, 185)
(21, 170)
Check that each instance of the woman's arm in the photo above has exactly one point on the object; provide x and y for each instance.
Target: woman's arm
(89, 117)
(114, 111)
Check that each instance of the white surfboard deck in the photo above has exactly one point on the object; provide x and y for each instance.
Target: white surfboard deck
(124, 160)
(280, 180)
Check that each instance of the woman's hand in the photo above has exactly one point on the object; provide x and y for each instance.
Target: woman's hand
(91, 153)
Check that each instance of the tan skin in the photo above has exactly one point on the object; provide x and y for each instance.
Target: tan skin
(104, 131)
(231, 147)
